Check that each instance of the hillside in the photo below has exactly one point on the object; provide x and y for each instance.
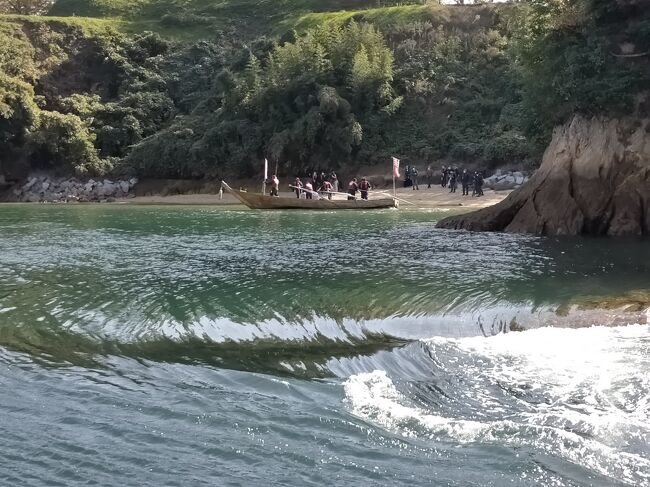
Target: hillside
(196, 19)
(206, 88)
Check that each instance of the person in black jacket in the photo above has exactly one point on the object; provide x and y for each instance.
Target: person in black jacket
(453, 180)
(478, 184)
(414, 178)
(465, 179)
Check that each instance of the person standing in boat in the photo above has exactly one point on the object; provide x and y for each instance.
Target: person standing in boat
(275, 185)
(364, 187)
(335, 183)
(309, 189)
(353, 187)
(297, 187)
(327, 188)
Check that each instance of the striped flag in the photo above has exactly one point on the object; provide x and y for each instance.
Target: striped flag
(395, 167)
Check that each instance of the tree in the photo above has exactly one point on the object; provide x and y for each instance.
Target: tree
(25, 7)
(64, 140)
(18, 113)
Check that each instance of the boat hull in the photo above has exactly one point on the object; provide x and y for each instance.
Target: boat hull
(265, 202)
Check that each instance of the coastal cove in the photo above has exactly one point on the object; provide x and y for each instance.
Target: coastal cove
(352, 243)
(365, 348)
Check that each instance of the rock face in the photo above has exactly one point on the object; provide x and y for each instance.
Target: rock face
(50, 189)
(594, 180)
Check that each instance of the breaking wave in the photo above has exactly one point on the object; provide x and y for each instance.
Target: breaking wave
(579, 395)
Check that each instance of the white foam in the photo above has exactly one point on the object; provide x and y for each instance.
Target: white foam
(594, 382)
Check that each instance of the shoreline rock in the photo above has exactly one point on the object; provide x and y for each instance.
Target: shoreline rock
(47, 189)
(594, 180)
(501, 181)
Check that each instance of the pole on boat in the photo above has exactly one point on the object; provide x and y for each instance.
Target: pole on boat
(395, 175)
(266, 175)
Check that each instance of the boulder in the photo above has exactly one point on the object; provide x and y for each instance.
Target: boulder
(30, 184)
(505, 181)
(43, 188)
(594, 180)
(108, 189)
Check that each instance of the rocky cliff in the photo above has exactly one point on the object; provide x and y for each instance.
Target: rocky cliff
(594, 180)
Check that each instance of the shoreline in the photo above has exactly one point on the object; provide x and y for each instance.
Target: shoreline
(436, 197)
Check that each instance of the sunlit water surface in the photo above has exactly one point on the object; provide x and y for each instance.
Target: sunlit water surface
(210, 346)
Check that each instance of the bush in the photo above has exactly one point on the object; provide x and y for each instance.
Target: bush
(507, 148)
(18, 112)
(63, 140)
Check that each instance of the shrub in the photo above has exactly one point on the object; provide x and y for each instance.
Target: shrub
(63, 140)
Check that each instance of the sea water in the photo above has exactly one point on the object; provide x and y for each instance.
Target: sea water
(222, 346)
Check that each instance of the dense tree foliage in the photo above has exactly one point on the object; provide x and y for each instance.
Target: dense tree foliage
(301, 103)
(25, 7)
(481, 84)
(581, 57)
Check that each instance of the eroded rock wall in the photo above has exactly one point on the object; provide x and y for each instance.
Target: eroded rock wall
(594, 179)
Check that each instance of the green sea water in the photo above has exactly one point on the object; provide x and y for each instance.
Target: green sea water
(144, 345)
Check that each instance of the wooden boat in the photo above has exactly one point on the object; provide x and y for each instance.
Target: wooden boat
(266, 202)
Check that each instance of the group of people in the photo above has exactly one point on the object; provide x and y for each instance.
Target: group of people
(329, 186)
(451, 176)
(318, 183)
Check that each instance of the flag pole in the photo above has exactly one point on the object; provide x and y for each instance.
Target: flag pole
(395, 174)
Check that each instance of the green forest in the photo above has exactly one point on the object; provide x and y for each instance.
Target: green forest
(208, 88)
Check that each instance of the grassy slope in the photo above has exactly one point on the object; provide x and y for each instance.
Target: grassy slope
(191, 20)
(197, 19)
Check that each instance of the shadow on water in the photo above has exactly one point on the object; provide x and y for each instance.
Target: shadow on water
(303, 359)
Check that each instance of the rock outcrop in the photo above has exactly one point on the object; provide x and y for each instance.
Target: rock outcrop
(50, 189)
(594, 180)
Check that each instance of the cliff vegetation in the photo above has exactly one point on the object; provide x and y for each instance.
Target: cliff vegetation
(204, 88)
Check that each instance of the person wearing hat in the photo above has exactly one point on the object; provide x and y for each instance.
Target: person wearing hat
(364, 187)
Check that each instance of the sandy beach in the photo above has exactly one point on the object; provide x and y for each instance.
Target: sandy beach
(436, 197)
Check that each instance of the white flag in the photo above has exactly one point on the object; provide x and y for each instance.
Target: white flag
(266, 169)
(395, 167)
